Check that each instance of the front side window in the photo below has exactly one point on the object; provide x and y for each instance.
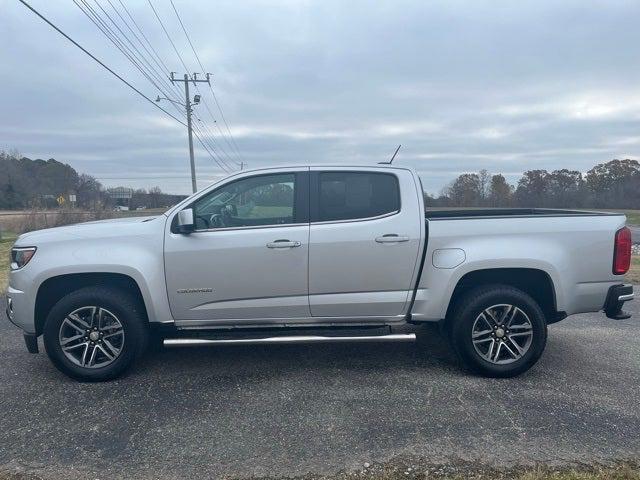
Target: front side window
(256, 201)
(354, 195)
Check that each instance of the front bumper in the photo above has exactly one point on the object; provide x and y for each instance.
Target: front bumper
(30, 339)
(19, 309)
(616, 298)
(10, 308)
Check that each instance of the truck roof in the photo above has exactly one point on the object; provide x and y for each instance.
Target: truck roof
(355, 166)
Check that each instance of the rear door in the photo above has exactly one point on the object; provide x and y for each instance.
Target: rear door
(365, 237)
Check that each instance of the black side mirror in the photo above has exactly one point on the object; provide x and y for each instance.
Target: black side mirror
(186, 223)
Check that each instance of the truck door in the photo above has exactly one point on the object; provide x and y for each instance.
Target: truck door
(364, 243)
(247, 258)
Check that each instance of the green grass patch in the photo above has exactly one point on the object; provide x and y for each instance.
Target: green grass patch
(633, 216)
(5, 247)
(634, 272)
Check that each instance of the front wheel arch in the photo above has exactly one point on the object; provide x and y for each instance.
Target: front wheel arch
(54, 288)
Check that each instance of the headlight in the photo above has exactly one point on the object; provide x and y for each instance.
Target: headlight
(21, 256)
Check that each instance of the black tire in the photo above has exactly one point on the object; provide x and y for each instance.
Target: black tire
(156, 342)
(471, 305)
(129, 312)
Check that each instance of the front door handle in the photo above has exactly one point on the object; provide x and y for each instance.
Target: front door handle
(392, 238)
(283, 243)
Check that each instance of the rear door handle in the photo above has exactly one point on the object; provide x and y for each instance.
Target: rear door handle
(283, 243)
(392, 238)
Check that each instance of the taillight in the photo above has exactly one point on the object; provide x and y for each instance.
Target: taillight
(622, 251)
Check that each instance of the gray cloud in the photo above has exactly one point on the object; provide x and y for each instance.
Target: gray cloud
(506, 86)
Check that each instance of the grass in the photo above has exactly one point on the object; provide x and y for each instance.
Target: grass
(5, 247)
(633, 216)
(634, 272)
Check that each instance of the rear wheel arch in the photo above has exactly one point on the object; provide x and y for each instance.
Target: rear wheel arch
(55, 288)
(534, 282)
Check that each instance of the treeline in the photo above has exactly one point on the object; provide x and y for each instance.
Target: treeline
(27, 184)
(153, 198)
(37, 184)
(615, 184)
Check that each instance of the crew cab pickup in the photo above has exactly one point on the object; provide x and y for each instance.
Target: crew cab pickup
(315, 254)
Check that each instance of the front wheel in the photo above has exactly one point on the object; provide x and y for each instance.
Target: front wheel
(95, 333)
(498, 331)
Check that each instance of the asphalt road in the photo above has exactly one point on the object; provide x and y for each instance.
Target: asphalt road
(291, 410)
(635, 233)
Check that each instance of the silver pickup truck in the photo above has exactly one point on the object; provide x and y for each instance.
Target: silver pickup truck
(315, 254)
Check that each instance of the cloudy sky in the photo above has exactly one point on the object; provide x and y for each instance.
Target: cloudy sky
(462, 85)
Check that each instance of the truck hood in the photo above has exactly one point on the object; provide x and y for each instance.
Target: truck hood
(113, 227)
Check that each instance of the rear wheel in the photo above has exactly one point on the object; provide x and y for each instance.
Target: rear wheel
(498, 331)
(95, 333)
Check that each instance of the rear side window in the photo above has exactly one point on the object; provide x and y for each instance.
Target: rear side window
(355, 195)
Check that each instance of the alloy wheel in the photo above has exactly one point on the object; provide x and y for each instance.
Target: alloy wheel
(502, 334)
(91, 337)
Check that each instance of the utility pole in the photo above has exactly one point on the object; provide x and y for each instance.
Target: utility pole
(241, 165)
(189, 109)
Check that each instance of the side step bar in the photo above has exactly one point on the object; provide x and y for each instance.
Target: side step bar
(184, 342)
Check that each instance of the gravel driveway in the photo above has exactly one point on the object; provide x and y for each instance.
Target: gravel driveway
(290, 410)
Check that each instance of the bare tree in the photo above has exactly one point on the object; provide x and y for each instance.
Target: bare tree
(615, 184)
(533, 188)
(484, 178)
(465, 191)
(500, 192)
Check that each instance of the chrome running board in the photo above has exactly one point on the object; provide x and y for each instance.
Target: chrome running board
(188, 342)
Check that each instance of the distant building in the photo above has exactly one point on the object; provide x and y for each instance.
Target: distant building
(120, 193)
(121, 196)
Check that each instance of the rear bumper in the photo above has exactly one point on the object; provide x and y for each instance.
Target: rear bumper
(616, 298)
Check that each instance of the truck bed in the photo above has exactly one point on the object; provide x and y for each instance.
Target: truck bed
(450, 214)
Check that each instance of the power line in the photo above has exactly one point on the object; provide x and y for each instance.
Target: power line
(215, 98)
(157, 55)
(150, 68)
(222, 135)
(113, 37)
(119, 77)
(186, 69)
(99, 62)
(131, 56)
(156, 59)
(139, 60)
(206, 144)
(207, 149)
(204, 70)
(175, 49)
(210, 149)
(142, 64)
(212, 137)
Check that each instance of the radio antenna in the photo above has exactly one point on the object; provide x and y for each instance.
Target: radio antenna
(392, 158)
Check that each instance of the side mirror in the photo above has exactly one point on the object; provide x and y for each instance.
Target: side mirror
(186, 224)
